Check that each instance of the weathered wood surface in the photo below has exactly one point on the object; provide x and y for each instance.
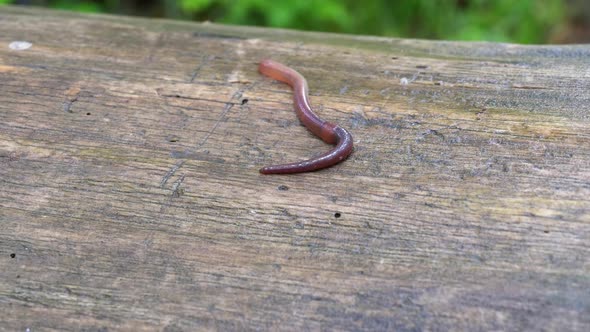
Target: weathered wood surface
(131, 199)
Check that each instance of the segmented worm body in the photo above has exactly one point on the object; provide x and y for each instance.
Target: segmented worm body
(328, 132)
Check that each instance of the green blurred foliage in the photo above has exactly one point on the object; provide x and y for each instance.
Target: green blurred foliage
(521, 21)
(79, 6)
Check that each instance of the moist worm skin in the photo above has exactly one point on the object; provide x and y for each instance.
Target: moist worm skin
(328, 132)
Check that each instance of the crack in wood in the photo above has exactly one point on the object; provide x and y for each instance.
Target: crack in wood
(179, 96)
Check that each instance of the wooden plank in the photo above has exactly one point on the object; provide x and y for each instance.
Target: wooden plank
(131, 200)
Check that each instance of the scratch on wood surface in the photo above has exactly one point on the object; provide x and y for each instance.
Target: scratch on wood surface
(226, 109)
(176, 190)
(171, 172)
(204, 61)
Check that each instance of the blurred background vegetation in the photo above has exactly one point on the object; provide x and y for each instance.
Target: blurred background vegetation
(519, 21)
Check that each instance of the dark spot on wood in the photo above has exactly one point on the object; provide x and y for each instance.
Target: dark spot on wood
(394, 58)
(421, 66)
(13, 255)
(283, 187)
(337, 215)
(173, 138)
(88, 113)
(244, 101)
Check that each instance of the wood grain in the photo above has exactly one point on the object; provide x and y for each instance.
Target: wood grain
(131, 200)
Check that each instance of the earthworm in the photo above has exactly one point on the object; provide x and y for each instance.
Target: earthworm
(328, 132)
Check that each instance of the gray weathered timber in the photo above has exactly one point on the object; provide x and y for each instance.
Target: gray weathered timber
(130, 197)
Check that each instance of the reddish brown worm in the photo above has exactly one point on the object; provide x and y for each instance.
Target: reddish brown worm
(328, 132)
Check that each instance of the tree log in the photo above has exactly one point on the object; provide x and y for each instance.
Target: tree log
(130, 197)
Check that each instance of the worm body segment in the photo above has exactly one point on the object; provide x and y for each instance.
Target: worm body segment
(328, 132)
